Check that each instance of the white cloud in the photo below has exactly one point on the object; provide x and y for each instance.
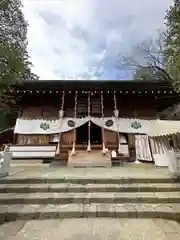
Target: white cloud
(67, 38)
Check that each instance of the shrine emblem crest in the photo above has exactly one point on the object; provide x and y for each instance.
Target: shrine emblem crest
(45, 126)
(71, 123)
(136, 125)
(109, 123)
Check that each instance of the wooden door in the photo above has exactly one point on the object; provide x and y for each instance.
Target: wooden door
(67, 138)
(110, 138)
(131, 144)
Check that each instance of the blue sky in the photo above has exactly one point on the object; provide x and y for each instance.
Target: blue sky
(83, 38)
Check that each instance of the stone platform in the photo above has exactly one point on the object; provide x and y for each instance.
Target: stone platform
(91, 229)
(133, 191)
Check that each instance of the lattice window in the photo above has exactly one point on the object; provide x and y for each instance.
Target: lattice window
(82, 106)
(96, 106)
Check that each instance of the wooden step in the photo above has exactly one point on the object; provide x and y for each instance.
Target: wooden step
(96, 147)
(84, 146)
(112, 146)
(81, 146)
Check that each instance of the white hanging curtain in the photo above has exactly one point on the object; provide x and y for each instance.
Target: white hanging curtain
(139, 126)
(165, 127)
(77, 121)
(160, 145)
(130, 125)
(37, 126)
(41, 126)
(126, 125)
(160, 149)
(143, 148)
(106, 123)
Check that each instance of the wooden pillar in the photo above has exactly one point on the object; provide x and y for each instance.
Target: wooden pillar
(102, 115)
(73, 152)
(14, 138)
(61, 114)
(89, 123)
(116, 114)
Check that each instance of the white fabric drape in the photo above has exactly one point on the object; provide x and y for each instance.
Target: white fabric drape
(159, 145)
(125, 125)
(160, 149)
(174, 163)
(101, 122)
(143, 148)
(78, 122)
(24, 126)
(164, 127)
(128, 125)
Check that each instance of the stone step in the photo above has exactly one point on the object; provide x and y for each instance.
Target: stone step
(67, 198)
(26, 161)
(107, 180)
(89, 159)
(75, 188)
(102, 164)
(31, 212)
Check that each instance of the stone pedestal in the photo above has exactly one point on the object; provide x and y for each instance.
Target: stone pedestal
(5, 164)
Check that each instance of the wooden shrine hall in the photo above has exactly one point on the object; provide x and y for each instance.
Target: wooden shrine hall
(81, 122)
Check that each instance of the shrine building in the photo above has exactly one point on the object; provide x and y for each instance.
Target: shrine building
(82, 122)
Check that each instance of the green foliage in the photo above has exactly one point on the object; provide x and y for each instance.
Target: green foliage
(172, 46)
(14, 59)
(7, 118)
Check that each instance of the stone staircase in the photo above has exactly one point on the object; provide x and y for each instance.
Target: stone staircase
(89, 159)
(42, 198)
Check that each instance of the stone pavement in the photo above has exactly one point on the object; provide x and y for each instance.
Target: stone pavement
(128, 170)
(91, 229)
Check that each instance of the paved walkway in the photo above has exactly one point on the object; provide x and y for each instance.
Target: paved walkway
(129, 170)
(91, 229)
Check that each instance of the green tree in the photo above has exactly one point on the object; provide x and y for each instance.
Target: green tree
(172, 43)
(14, 59)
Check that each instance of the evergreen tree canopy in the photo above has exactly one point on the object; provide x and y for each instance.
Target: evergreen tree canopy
(172, 45)
(14, 59)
